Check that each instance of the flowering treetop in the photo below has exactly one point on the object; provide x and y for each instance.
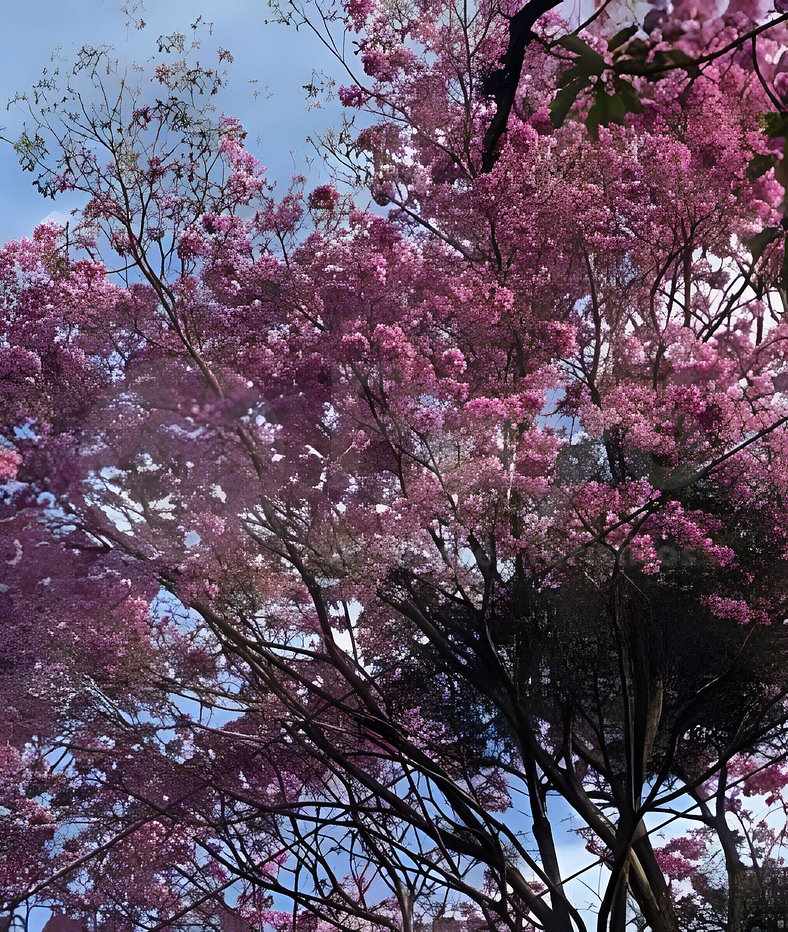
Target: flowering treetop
(331, 537)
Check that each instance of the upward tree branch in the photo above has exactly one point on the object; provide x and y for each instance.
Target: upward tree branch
(504, 82)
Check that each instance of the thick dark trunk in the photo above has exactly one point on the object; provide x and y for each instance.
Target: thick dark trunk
(740, 878)
(618, 911)
(543, 835)
(503, 83)
(657, 903)
(739, 886)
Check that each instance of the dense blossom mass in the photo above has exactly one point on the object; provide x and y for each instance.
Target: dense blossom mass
(365, 549)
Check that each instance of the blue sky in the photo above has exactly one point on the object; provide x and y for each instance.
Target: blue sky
(278, 58)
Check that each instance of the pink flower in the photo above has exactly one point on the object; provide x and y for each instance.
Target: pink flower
(10, 461)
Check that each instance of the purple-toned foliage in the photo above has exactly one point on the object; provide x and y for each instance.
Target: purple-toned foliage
(343, 554)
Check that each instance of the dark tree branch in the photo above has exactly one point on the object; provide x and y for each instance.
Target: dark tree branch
(504, 82)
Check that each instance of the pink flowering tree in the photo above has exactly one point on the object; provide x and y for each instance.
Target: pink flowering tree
(740, 820)
(344, 553)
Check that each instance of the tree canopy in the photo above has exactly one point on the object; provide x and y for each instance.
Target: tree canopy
(356, 537)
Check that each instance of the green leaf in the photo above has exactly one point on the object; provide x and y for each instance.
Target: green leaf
(682, 59)
(635, 62)
(622, 36)
(758, 243)
(628, 95)
(587, 58)
(573, 43)
(606, 109)
(759, 165)
(638, 48)
(572, 74)
(775, 124)
(563, 100)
